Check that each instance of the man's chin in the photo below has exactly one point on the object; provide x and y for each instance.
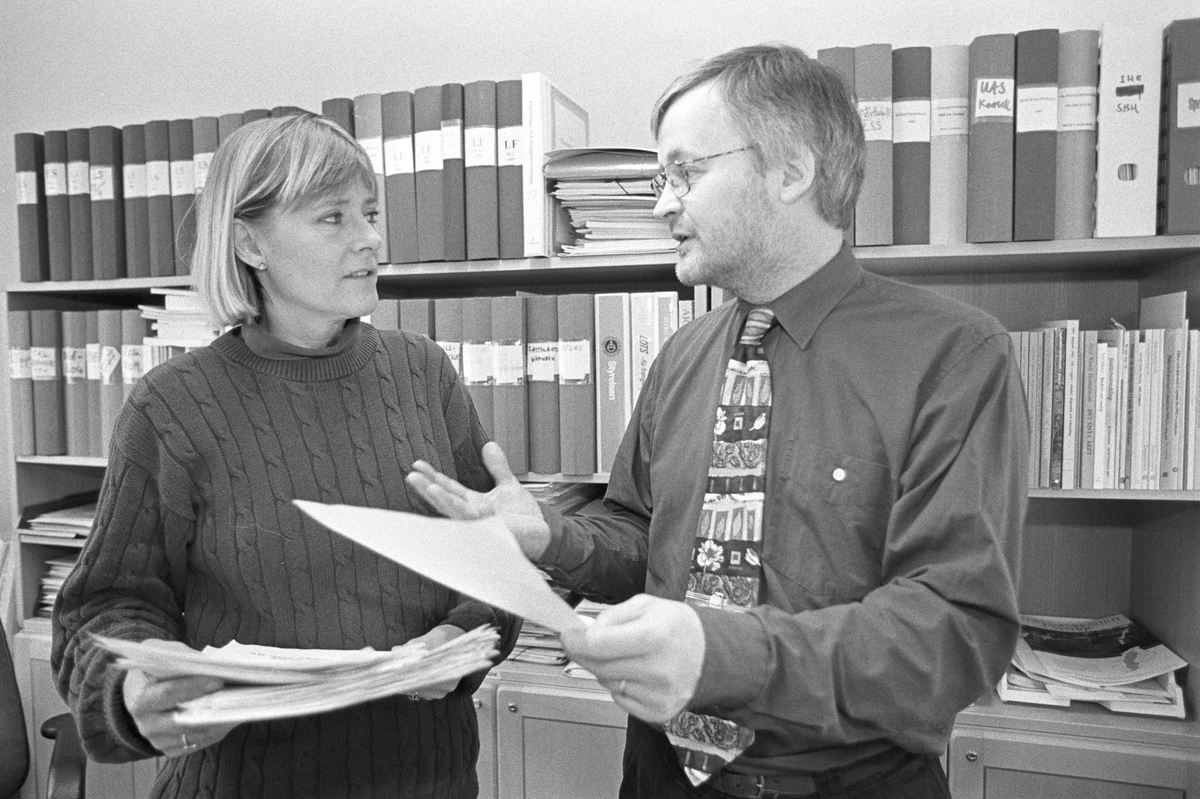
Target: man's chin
(688, 272)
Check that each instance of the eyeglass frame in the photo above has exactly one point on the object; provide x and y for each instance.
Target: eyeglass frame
(659, 182)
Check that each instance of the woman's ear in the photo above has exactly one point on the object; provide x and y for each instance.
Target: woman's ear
(799, 176)
(245, 243)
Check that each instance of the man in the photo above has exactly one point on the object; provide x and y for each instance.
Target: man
(878, 535)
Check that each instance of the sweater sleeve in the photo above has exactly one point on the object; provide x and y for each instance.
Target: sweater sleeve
(128, 583)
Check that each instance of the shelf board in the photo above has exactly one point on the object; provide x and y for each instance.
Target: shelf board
(123, 285)
(64, 460)
(52, 540)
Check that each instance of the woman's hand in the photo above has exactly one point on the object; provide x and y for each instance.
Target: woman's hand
(152, 704)
(442, 634)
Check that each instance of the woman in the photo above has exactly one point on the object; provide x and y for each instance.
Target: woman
(196, 539)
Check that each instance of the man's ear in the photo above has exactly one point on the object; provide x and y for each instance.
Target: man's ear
(799, 176)
(245, 243)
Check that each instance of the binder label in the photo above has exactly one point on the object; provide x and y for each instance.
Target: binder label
(1077, 108)
(575, 362)
(133, 356)
(200, 164)
(452, 139)
(949, 116)
(110, 361)
(101, 180)
(993, 99)
(541, 362)
(1187, 114)
(910, 120)
(43, 363)
(20, 366)
(158, 179)
(1037, 108)
(78, 179)
(477, 363)
(480, 146)
(428, 150)
(374, 147)
(509, 141)
(453, 350)
(398, 156)
(508, 366)
(93, 360)
(74, 364)
(1128, 94)
(56, 179)
(27, 188)
(134, 180)
(876, 116)
(183, 178)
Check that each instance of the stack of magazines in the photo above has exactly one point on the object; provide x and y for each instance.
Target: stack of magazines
(1110, 661)
(52, 581)
(74, 522)
(606, 193)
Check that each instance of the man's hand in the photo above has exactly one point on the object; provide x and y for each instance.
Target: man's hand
(152, 704)
(442, 634)
(647, 651)
(509, 500)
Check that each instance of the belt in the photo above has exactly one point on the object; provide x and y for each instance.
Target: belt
(758, 786)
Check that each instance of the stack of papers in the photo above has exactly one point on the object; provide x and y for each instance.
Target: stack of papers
(182, 321)
(64, 523)
(607, 195)
(1110, 661)
(271, 683)
(56, 573)
(539, 644)
(565, 497)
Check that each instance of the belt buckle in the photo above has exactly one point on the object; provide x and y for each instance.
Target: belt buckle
(759, 784)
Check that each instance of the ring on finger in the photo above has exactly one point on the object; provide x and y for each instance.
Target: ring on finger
(621, 688)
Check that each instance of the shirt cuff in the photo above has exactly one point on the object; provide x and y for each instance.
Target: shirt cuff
(737, 660)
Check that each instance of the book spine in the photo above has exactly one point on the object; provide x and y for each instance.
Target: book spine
(481, 171)
(948, 116)
(75, 387)
(510, 420)
(158, 198)
(79, 197)
(576, 383)
(255, 114)
(911, 67)
(510, 139)
(227, 124)
(613, 375)
(20, 375)
(58, 207)
(133, 185)
(841, 61)
(368, 129)
(448, 329)
(1181, 150)
(454, 203)
(991, 71)
(400, 177)
(416, 316)
(206, 137)
(133, 349)
(1035, 158)
(341, 111)
(873, 84)
(551, 121)
(107, 181)
(643, 338)
(427, 150)
(33, 254)
(112, 386)
(183, 192)
(478, 360)
(541, 381)
(93, 355)
(1075, 180)
(49, 413)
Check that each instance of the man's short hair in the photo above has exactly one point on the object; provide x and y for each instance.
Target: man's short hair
(782, 99)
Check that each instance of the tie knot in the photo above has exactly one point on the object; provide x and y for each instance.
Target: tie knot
(757, 324)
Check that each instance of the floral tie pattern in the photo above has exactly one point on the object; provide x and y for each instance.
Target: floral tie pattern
(726, 569)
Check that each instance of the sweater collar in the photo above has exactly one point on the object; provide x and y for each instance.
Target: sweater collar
(252, 346)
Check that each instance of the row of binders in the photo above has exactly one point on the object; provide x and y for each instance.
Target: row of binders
(553, 378)
(458, 169)
(1030, 136)
(1117, 408)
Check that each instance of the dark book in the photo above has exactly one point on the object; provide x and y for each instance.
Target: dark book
(133, 349)
(108, 202)
(75, 388)
(183, 192)
(227, 124)
(158, 198)
(509, 188)
(841, 61)
(206, 137)
(576, 384)
(79, 197)
(341, 111)
(873, 85)
(287, 110)
(448, 329)
(33, 247)
(1180, 211)
(137, 214)
(990, 69)
(454, 203)
(20, 385)
(510, 403)
(910, 144)
(1075, 156)
(541, 381)
(481, 176)
(112, 385)
(427, 152)
(478, 364)
(49, 414)
(1035, 160)
(93, 354)
(255, 114)
(368, 129)
(58, 205)
(416, 316)
(400, 177)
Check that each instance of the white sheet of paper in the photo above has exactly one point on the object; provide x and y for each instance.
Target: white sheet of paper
(478, 558)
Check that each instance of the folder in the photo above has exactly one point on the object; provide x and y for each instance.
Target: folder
(79, 197)
(133, 349)
(158, 198)
(509, 187)
(911, 68)
(58, 205)
(1075, 181)
(541, 380)
(873, 87)
(481, 176)
(841, 61)
(991, 69)
(20, 385)
(427, 151)
(183, 192)
(112, 385)
(93, 355)
(75, 388)
(368, 129)
(399, 176)
(510, 408)
(454, 203)
(1035, 160)
(32, 242)
(107, 180)
(137, 215)
(614, 394)
(341, 111)
(448, 329)
(576, 385)
(478, 362)
(49, 411)
(949, 116)
(227, 124)
(550, 121)
(416, 316)
(1181, 161)
(206, 136)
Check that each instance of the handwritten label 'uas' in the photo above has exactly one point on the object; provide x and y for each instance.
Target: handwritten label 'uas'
(994, 98)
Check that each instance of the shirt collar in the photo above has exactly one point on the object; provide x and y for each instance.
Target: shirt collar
(801, 309)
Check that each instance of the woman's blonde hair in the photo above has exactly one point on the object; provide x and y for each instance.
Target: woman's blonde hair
(280, 161)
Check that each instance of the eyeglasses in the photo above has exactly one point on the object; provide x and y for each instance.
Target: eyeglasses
(676, 173)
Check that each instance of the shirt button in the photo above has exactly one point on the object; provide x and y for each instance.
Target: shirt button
(839, 474)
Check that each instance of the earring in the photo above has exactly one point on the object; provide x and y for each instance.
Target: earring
(262, 267)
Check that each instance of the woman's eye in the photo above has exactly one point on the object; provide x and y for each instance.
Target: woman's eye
(334, 218)
(373, 217)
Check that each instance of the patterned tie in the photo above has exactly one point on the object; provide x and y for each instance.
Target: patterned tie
(726, 570)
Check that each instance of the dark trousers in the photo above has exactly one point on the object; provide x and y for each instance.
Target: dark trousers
(652, 772)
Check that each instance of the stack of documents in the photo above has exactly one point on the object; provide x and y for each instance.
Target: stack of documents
(565, 497)
(1110, 661)
(606, 192)
(265, 682)
(64, 523)
(56, 573)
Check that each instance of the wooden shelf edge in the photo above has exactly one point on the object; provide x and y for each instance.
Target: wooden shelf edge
(1117, 494)
(64, 460)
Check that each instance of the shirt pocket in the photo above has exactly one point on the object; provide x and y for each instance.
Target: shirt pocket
(827, 517)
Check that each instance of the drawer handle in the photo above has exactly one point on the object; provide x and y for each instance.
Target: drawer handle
(512, 707)
(972, 757)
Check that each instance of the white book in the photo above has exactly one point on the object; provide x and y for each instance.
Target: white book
(550, 121)
(1127, 130)
(1071, 404)
(643, 329)
(1101, 447)
(1193, 386)
(1087, 404)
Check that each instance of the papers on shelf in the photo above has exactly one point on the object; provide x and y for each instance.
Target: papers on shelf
(56, 573)
(478, 558)
(271, 683)
(1111, 661)
(64, 523)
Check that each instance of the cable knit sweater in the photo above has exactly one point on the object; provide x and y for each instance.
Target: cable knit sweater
(196, 539)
